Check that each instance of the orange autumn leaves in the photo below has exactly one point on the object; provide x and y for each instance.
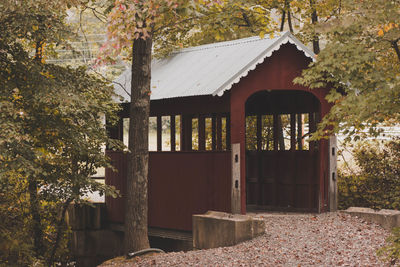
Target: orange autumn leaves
(386, 28)
(133, 19)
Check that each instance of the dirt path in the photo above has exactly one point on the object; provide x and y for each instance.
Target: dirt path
(330, 239)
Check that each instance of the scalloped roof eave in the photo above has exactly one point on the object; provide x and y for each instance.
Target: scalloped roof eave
(209, 69)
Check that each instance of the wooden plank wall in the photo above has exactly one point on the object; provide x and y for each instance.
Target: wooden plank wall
(180, 184)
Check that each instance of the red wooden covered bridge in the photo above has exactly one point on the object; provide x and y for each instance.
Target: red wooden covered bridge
(230, 134)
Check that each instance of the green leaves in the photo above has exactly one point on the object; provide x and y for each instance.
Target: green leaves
(52, 134)
(376, 184)
(360, 63)
(391, 251)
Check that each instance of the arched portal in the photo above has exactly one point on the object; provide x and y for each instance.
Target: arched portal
(281, 162)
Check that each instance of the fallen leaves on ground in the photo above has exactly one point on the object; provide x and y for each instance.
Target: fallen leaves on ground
(328, 239)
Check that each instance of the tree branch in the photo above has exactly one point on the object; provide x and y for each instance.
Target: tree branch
(290, 22)
(84, 35)
(247, 21)
(396, 47)
(283, 20)
(110, 81)
(155, 30)
(97, 14)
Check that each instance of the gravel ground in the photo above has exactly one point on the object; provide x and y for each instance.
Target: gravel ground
(329, 239)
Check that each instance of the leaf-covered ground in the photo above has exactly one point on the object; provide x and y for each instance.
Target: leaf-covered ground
(329, 239)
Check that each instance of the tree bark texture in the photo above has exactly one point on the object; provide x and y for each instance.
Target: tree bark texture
(136, 237)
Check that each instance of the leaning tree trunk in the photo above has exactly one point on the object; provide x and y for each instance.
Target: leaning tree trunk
(136, 191)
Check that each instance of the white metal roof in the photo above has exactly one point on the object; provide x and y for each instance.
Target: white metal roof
(208, 69)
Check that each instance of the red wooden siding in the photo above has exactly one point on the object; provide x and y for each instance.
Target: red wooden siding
(282, 179)
(275, 73)
(115, 206)
(180, 184)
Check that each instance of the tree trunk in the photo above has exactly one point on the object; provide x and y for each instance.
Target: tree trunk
(283, 21)
(290, 22)
(281, 140)
(314, 20)
(37, 228)
(60, 228)
(136, 189)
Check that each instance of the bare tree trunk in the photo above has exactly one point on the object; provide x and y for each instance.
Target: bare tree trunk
(37, 228)
(283, 20)
(281, 139)
(290, 21)
(314, 20)
(34, 201)
(59, 232)
(136, 188)
(286, 9)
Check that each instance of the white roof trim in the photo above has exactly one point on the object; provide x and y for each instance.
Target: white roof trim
(287, 37)
(208, 69)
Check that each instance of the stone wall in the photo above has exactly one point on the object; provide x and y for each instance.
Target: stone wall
(388, 219)
(92, 242)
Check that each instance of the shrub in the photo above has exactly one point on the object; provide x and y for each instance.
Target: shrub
(377, 183)
(391, 252)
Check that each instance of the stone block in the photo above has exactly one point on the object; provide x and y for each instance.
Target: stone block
(258, 227)
(219, 229)
(386, 218)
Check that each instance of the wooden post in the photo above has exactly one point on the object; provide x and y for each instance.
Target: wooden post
(281, 139)
(202, 133)
(159, 133)
(186, 133)
(293, 158)
(259, 132)
(121, 129)
(219, 132)
(228, 132)
(333, 200)
(182, 139)
(235, 184)
(300, 131)
(293, 132)
(173, 133)
(311, 129)
(214, 134)
(276, 137)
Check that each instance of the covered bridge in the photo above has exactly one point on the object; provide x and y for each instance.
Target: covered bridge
(230, 134)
